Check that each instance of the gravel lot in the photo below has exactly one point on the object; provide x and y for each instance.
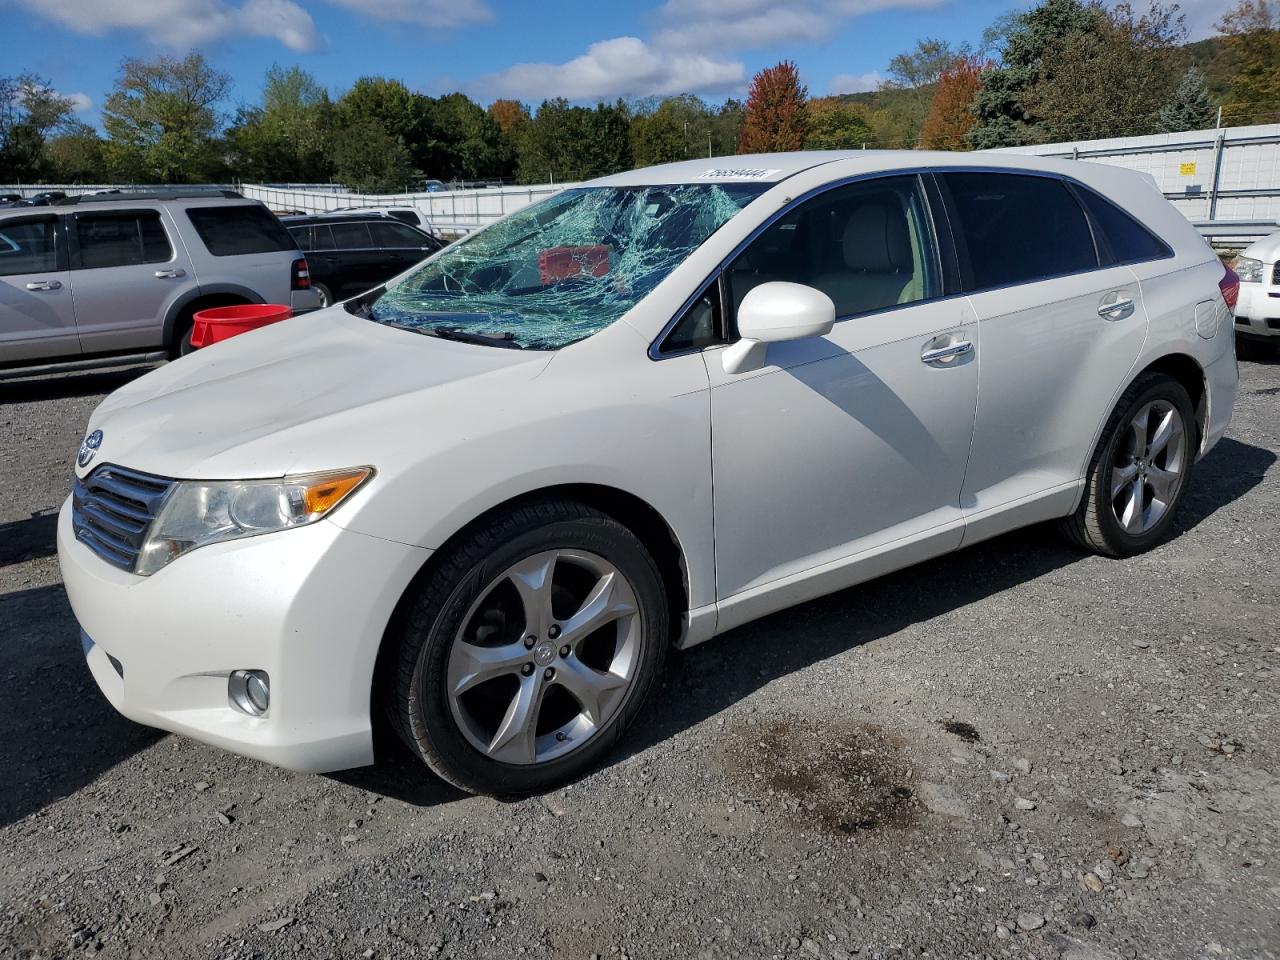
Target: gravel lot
(1015, 751)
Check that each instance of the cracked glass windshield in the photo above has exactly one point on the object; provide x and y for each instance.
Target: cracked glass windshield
(560, 270)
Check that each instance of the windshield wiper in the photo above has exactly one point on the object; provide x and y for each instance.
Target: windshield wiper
(506, 339)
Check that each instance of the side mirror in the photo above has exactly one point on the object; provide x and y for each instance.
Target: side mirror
(773, 312)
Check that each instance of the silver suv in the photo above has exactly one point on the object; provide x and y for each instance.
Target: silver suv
(95, 281)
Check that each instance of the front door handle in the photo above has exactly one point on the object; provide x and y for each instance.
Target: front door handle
(1116, 309)
(170, 274)
(45, 285)
(949, 352)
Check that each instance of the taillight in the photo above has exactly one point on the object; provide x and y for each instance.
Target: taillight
(1230, 286)
(302, 275)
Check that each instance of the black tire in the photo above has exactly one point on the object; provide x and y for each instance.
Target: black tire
(326, 297)
(1094, 525)
(413, 686)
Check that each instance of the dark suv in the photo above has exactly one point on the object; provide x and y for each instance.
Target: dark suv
(349, 254)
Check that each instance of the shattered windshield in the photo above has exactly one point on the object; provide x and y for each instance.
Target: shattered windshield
(560, 270)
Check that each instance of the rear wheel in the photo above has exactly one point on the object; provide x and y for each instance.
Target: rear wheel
(1140, 470)
(524, 658)
(326, 298)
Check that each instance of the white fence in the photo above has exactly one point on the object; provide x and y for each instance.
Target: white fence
(452, 211)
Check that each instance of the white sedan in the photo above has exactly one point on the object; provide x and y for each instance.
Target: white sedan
(480, 504)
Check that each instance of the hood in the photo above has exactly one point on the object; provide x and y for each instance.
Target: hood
(316, 392)
(1267, 249)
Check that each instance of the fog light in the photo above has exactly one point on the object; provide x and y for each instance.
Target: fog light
(250, 691)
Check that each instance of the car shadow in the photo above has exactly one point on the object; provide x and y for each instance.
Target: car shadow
(56, 386)
(60, 733)
(30, 539)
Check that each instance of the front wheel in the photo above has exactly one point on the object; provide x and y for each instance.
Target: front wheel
(530, 649)
(1139, 473)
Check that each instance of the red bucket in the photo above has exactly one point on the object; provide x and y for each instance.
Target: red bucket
(222, 323)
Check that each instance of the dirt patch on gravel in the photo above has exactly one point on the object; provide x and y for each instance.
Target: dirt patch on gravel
(834, 776)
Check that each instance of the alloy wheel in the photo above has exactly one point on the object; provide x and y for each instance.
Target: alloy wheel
(545, 656)
(1149, 467)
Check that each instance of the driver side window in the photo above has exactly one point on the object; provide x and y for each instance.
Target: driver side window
(866, 245)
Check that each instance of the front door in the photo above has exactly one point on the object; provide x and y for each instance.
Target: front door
(37, 321)
(852, 445)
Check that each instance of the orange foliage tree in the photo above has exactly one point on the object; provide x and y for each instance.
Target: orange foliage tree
(508, 114)
(951, 113)
(777, 111)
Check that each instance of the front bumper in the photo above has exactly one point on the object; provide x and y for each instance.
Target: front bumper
(1258, 309)
(308, 606)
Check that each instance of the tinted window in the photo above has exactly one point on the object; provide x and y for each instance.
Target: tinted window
(396, 235)
(700, 325)
(350, 236)
(302, 237)
(322, 237)
(1123, 239)
(231, 230)
(28, 247)
(407, 216)
(121, 239)
(867, 246)
(1015, 229)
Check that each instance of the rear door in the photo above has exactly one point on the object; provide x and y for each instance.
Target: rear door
(127, 269)
(37, 320)
(1060, 335)
(354, 263)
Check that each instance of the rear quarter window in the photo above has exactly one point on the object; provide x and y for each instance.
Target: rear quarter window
(1122, 239)
(236, 229)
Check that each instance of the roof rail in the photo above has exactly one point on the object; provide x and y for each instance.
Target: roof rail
(127, 196)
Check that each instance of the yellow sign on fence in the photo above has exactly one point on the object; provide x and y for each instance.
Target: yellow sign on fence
(1186, 169)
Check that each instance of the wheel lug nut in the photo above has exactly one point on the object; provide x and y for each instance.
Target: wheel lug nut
(527, 669)
(529, 642)
(553, 631)
(550, 672)
(564, 651)
(562, 736)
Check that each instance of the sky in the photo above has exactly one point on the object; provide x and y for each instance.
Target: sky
(584, 50)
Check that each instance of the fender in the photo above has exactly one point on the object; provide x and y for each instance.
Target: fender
(179, 305)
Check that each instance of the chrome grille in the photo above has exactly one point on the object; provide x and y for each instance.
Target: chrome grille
(112, 510)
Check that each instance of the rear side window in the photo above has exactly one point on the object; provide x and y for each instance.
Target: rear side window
(396, 235)
(302, 236)
(1123, 239)
(122, 239)
(1017, 229)
(28, 246)
(236, 229)
(351, 236)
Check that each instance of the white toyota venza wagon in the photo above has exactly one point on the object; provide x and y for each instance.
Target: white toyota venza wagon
(479, 505)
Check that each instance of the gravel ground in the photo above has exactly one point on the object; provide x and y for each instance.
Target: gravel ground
(1015, 751)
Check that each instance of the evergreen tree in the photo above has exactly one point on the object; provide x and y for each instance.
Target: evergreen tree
(1190, 108)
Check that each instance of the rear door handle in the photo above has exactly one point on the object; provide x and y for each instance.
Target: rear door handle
(45, 285)
(1116, 309)
(170, 274)
(949, 352)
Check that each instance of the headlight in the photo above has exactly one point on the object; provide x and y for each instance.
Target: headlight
(197, 513)
(1249, 270)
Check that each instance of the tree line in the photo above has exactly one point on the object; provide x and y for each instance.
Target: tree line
(1061, 70)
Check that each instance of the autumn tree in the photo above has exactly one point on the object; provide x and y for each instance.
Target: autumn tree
(777, 111)
(508, 115)
(950, 115)
(1252, 32)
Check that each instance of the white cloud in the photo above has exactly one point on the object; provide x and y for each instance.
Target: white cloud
(80, 102)
(620, 67)
(427, 13)
(854, 83)
(186, 23)
(751, 24)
